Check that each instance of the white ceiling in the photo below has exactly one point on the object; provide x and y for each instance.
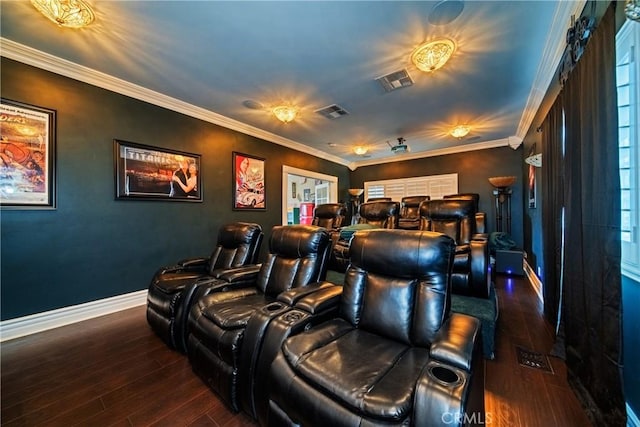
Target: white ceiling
(206, 58)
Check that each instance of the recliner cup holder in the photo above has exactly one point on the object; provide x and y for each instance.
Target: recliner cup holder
(274, 306)
(444, 375)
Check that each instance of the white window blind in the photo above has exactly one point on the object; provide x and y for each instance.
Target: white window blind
(627, 78)
(434, 186)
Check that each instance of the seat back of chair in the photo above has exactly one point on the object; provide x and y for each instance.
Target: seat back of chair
(238, 245)
(380, 214)
(453, 217)
(298, 256)
(397, 284)
(329, 215)
(475, 197)
(410, 206)
(481, 217)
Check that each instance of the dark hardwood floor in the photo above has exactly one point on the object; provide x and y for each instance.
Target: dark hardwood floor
(113, 370)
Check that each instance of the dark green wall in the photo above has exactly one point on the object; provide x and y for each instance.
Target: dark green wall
(473, 168)
(93, 246)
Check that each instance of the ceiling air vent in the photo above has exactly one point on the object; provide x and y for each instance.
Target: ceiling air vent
(332, 111)
(395, 80)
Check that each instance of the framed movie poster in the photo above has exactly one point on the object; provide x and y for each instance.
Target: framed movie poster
(27, 153)
(152, 173)
(532, 187)
(248, 183)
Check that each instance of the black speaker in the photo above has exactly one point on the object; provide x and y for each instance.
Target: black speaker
(509, 262)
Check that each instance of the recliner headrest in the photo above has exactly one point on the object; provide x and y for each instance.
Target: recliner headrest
(447, 208)
(413, 200)
(465, 196)
(232, 234)
(329, 210)
(414, 254)
(297, 241)
(379, 210)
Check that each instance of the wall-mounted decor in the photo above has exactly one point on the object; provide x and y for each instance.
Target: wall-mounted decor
(532, 178)
(248, 183)
(27, 153)
(532, 187)
(152, 173)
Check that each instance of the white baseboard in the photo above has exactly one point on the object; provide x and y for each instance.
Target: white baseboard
(632, 419)
(21, 326)
(536, 284)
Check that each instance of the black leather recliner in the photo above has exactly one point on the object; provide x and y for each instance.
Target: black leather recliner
(172, 289)
(380, 214)
(409, 218)
(377, 214)
(395, 355)
(481, 217)
(456, 218)
(297, 258)
(329, 215)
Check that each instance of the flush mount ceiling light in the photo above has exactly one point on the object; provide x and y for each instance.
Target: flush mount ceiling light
(460, 131)
(360, 150)
(66, 13)
(285, 113)
(632, 10)
(433, 55)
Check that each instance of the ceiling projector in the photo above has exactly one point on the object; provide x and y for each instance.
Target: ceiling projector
(400, 148)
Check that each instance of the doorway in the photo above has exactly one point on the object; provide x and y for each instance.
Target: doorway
(302, 190)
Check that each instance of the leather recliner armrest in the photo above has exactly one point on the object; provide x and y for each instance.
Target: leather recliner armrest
(480, 236)
(189, 264)
(480, 279)
(322, 300)
(458, 341)
(247, 273)
(237, 278)
(292, 296)
(193, 262)
(442, 396)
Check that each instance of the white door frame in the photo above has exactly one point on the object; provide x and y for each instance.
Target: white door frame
(286, 170)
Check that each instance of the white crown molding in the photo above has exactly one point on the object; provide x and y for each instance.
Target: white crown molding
(438, 152)
(45, 61)
(551, 56)
(27, 325)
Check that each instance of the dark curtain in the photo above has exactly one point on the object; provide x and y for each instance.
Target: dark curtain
(552, 201)
(591, 289)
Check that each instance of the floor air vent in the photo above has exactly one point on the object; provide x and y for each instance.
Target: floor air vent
(332, 111)
(395, 80)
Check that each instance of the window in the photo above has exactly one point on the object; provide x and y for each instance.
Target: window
(435, 186)
(627, 78)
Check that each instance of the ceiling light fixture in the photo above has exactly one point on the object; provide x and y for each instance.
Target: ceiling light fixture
(66, 13)
(632, 10)
(460, 131)
(360, 150)
(285, 113)
(433, 55)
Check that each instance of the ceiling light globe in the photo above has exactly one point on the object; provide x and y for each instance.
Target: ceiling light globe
(460, 131)
(285, 113)
(360, 150)
(66, 13)
(632, 10)
(433, 55)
